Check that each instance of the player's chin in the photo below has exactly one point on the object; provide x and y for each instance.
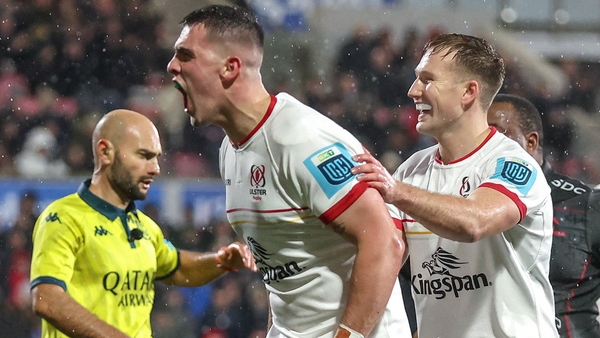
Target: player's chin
(141, 193)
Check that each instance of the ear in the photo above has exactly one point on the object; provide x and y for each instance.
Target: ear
(532, 141)
(105, 152)
(471, 92)
(233, 66)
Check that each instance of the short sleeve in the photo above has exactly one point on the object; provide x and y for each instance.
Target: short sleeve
(318, 165)
(520, 179)
(167, 256)
(56, 239)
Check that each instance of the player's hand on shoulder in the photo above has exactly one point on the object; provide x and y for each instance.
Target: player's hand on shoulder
(236, 256)
(370, 170)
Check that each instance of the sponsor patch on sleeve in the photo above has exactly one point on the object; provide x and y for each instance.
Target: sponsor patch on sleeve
(330, 166)
(516, 172)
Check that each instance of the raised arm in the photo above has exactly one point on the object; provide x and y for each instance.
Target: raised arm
(368, 224)
(198, 269)
(52, 303)
(484, 213)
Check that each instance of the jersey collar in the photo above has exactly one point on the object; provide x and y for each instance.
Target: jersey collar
(108, 210)
(260, 124)
(493, 131)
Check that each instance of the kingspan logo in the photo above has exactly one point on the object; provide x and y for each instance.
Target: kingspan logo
(443, 280)
(271, 273)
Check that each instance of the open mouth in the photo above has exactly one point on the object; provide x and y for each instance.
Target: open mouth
(185, 99)
(146, 183)
(422, 106)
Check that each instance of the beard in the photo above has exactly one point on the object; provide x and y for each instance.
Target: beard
(123, 183)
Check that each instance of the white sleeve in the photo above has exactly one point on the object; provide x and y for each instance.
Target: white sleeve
(521, 179)
(318, 165)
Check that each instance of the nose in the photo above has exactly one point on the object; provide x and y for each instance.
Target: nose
(173, 66)
(414, 91)
(154, 166)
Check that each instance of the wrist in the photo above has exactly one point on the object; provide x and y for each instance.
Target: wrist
(345, 331)
(219, 262)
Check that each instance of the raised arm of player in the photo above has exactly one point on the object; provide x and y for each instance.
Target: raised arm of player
(196, 269)
(368, 224)
(484, 213)
(52, 303)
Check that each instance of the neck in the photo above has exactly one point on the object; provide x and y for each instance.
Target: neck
(102, 188)
(244, 116)
(456, 146)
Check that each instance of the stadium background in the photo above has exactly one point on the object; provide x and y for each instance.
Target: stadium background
(64, 63)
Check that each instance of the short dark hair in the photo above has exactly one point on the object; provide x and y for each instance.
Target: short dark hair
(474, 56)
(233, 23)
(529, 118)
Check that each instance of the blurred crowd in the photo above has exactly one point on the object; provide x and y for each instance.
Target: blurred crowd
(64, 63)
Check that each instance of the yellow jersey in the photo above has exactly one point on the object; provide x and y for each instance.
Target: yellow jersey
(84, 244)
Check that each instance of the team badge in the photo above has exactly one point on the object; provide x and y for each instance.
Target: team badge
(517, 172)
(257, 176)
(330, 166)
(257, 181)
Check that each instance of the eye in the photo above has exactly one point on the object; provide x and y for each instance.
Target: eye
(147, 155)
(425, 80)
(184, 54)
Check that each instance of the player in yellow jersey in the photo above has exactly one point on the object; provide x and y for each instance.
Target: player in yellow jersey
(96, 257)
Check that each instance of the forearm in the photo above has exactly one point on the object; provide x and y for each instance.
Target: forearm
(452, 217)
(196, 269)
(373, 277)
(68, 316)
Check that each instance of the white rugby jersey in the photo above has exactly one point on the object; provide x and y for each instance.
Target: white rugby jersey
(284, 182)
(495, 287)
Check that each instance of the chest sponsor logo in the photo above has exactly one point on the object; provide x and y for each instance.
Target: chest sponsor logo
(444, 277)
(330, 166)
(566, 186)
(257, 181)
(134, 287)
(271, 273)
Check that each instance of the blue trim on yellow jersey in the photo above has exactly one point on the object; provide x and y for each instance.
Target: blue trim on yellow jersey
(48, 280)
(108, 210)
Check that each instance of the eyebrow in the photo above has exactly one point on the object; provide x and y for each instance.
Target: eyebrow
(144, 151)
(185, 50)
(424, 73)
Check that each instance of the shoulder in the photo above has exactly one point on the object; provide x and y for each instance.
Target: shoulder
(507, 155)
(147, 220)
(64, 213)
(294, 122)
(419, 158)
(565, 187)
(501, 145)
(69, 205)
(594, 197)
